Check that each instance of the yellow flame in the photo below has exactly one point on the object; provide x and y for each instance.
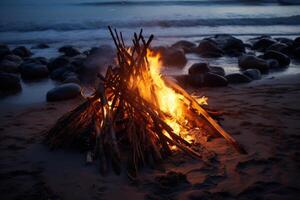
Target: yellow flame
(153, 89)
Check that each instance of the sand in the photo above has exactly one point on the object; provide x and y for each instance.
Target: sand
(263, 116)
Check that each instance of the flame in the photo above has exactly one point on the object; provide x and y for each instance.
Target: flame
(153, 89)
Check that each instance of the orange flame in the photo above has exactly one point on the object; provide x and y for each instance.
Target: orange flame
(153, 89)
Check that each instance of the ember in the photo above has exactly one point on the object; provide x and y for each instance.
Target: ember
(137, 111)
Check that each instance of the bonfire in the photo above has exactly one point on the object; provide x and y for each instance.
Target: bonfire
(136, 115)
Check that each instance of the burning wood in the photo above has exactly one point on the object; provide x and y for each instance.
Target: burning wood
(135, 110)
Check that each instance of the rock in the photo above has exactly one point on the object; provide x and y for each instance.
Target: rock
(283, 59)
(217, 70)
(279, 47)
(182, 80)
(214, 80)
(59, 62)
(286, 41)
(72, 79)
(297, 53)
(254, 74)
(252, 62)
(63, 92)
(273, 64)
(173, 57)
(296, 43)
(22, 51)
(31, 70)
(9, 66)
(58, 74)
(4, 50)
(209, 49)
(185, 45)
(9, 82)
(196, 80)
(229, 44)
(41, 46)
(37, 60)
(237, 78)
(69, 50)
(78, 62)
(262, 43)
(199, 68)
(14, 58)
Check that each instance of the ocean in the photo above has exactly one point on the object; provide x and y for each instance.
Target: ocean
(84, 22)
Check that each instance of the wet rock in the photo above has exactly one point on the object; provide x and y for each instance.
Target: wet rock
(214, 80)
(196, 80)
(63, 92)
(172, 179)
(254, 74)
(185, 45)
(9, 66)
(283, 59)
(22, 51)
(37, 60)
(77, 62)
(208, 48)
(229, 44)
(9, 82)
(297, 53)
(32, 70)
(69, 50)
(296, 43)
(217, 70)
(14, 58)
(281, 47)
(41, 46)
(263, 43)
(182, 80)
(273, 64)
(286, 41)
(199, 68)
(4, 50)
(58, 74)
(72, 79)
(252, 62)
(58, 62)
(237, 78)
(173, 57)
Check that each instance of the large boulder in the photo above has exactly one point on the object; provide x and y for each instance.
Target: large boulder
(59, 62)
(63, 92)
(286, 41)
(69, 50)
(209, 49)
(217, 70)
(247, 61)
(77, 62)
(229, 44)
(172, 57)
(9, 82)
(185, 45)
(9, 66)
(32, 70)
(254, 74)
(199, 68)
(262, 43)
(237, 78)
(283, 59)
(22, 51)
(296, 43)
(58, 74)
(297, 53)
(273, 64)
(214, 80)
(4, 50)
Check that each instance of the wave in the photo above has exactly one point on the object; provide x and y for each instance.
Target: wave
(100, 24)
(190, 3)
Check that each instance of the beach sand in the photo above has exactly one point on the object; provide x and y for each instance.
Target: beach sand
(263, 116)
